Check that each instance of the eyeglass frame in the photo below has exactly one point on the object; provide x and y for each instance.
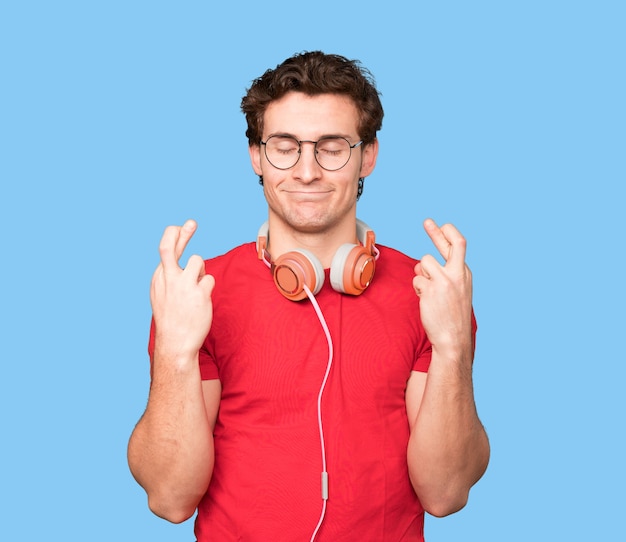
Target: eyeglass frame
(300, 141)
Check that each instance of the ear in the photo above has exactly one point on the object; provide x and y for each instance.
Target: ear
(368, 162)
(255, 158)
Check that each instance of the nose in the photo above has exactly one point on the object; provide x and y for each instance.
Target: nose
(307, 169)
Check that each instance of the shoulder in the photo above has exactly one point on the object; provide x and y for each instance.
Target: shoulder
(242, 256)
(393, 279)
(238, 274)
(393, 262)
(393, 254)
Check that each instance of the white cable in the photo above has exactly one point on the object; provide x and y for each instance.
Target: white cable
(319, 408)
(324, 480)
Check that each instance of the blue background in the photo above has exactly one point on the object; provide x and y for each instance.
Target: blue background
(506, 118)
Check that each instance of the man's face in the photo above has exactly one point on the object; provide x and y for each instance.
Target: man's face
(307, 197)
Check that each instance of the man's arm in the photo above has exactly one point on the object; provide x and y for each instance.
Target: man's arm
(448, 448)
(170, 452)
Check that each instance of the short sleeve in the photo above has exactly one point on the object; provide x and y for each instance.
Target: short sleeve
(208, 368)
(422, 363)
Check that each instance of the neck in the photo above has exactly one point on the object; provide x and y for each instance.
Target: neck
(323, 243)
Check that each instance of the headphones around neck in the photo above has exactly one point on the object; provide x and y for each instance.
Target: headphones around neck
(351, 270)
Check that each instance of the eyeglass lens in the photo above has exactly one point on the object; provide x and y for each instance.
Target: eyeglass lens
(331, 153)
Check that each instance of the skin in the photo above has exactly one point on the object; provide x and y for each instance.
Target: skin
(310, 207)
(448, 448)
(171, 450)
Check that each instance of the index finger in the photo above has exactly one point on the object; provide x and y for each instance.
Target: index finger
(448, 241)
(174, 242)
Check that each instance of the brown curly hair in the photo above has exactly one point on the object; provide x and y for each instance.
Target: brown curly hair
(315, 73)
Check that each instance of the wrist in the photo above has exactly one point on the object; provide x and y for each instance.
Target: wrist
(458, 351)
(176, 358)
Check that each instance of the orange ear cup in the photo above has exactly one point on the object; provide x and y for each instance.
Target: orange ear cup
(358, 271)
(352, 269)
(293, 270)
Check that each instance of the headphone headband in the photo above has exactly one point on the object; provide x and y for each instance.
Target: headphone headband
(364, 234)
(351, 270)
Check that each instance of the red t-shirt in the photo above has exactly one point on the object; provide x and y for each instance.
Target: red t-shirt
(271, 354)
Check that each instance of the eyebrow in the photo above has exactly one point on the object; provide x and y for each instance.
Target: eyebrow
(286, 134)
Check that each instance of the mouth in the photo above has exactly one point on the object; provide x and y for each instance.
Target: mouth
(304, 196)
(308, 193)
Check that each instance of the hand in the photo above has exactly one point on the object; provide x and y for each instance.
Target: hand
(181, 298)
(445, 291)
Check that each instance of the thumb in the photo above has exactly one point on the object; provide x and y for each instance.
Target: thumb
(207, 283)
(420, 283)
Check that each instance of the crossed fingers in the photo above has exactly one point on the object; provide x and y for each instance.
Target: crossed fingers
(173, 244)
(448, 241)
(450, 244)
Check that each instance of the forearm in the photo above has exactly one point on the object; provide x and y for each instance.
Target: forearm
(448, 448)
(170, 452)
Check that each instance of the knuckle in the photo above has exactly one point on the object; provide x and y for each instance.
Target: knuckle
(166, 239)
(170, 230)
(195, 260)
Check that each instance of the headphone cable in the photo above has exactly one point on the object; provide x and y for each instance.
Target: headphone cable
(324, 477)
(322, 320)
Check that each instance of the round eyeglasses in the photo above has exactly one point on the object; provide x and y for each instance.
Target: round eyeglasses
(331, 152)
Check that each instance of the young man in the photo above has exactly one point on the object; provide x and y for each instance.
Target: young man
(298, 394)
